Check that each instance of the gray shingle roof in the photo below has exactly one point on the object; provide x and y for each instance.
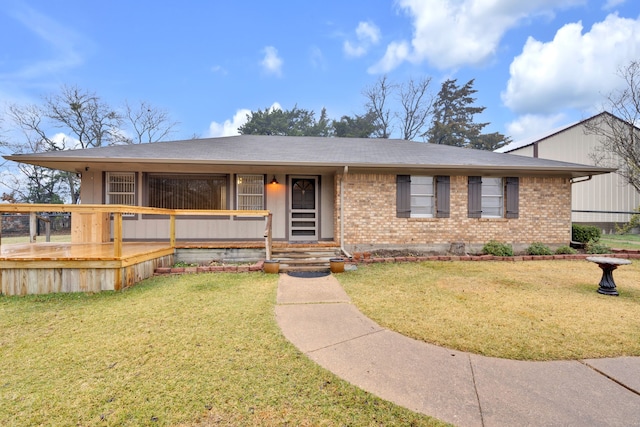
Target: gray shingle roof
(263, 150)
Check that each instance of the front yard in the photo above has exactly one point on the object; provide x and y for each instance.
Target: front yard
(176, 350)
(206, 350)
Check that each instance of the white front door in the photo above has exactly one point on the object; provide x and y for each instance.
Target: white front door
(303, 208)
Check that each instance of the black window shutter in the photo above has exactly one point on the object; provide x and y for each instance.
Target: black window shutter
(513, 197)
(442, 197)
(403, 196)
(475, 197)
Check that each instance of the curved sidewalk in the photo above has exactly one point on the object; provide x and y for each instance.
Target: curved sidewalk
(464, 389)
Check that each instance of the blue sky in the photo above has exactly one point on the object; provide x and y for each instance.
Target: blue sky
(537, 64)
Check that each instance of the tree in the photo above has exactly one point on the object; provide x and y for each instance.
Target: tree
(358, 126)
(452, 122)
(83, 121)
(148, 124)
(90, 121)
(415, 106)
(618, 131)
(294, 122)
(42, 185)
(377, 97)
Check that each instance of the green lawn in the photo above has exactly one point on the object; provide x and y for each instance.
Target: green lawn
(174, 350)
(536, 310)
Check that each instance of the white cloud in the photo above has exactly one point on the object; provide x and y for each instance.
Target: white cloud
(367, 35)
(459, 32)
(230, 126)
(574, 70)
(611, 4)
(317, 59)
(66, 46)
(531, 125)
(271, 63)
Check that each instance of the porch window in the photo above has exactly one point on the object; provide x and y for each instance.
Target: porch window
(250, 192)
(187, 191)
(120, 188)
(421, 196)
(493, 197)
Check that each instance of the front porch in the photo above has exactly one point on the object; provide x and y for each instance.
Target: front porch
(100, 257)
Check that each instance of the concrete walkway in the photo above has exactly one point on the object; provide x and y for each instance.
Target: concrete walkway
(464, 389)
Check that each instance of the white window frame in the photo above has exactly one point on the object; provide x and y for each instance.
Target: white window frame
(486, 196)
(426, 196)
(256, 183)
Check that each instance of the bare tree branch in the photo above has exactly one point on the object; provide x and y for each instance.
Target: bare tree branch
(149, 124)
(417, 106)
(618, 131)
(377, 97)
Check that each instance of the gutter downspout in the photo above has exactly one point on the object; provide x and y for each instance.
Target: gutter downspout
(344, 174)
(582, 180)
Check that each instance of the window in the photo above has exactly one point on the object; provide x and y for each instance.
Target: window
(491, 197)
(421, 196)
(187, 191)
(250, 192)
(120, 188)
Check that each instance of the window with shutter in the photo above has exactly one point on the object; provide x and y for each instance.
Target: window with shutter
(493, 197)
(422, 196)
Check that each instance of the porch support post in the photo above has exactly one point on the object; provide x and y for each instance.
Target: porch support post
(268, 240)
(172, 230)
(117, 234)
(33, 227)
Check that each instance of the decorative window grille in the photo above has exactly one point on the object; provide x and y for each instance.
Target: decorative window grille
(250, 192)
(121, 188)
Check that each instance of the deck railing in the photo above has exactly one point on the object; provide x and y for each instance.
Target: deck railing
(117, 211)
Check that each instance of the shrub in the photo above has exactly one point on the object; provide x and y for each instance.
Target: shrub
(593, 247)
(497, 249)
(585, 233)
(537, 248)
(565, 250)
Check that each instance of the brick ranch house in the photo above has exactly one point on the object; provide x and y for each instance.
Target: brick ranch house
(362, 194)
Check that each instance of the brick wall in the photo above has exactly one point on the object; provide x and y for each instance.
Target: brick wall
(371, 222)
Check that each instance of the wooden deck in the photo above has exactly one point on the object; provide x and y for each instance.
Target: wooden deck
(97, 259)
(43, 268)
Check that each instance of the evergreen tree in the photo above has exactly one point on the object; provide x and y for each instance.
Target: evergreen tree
(358, 126)
(294, 122)
(452, 122)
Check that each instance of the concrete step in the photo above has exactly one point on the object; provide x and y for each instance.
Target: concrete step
(305, 258)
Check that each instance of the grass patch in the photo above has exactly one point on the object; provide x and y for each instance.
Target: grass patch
(622, 241)
(180, 350)
(543, 310)
(57, 238)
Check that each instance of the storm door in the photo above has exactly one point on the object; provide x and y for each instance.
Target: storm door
(303, 212)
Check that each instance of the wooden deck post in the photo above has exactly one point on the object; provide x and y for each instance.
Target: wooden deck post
(268, 236)
(172, 230)
(117, 234)
(33, 227)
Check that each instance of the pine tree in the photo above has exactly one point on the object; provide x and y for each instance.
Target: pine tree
(452, 122)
